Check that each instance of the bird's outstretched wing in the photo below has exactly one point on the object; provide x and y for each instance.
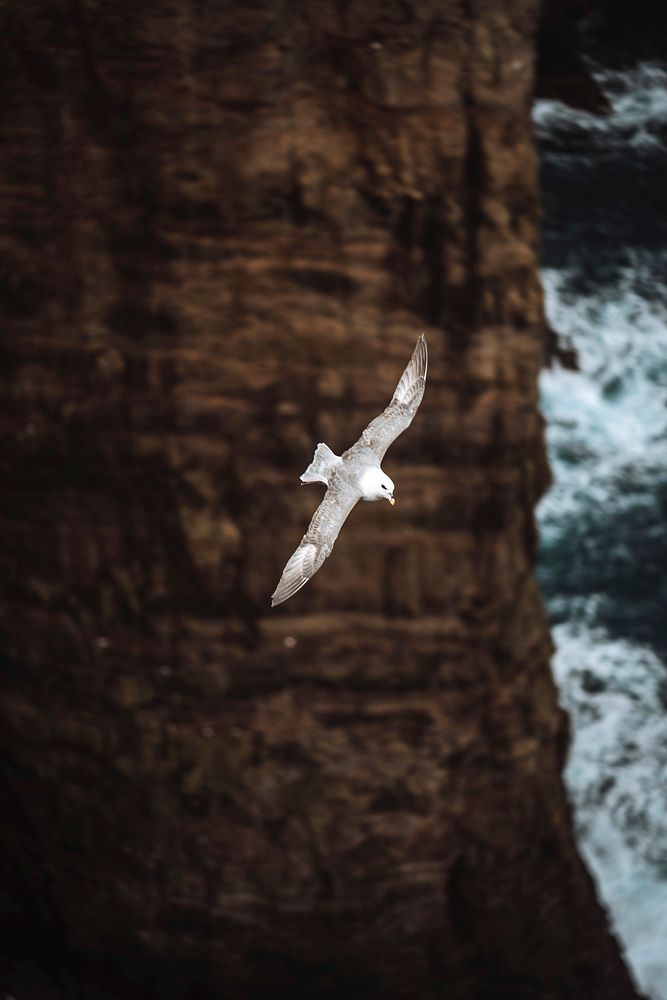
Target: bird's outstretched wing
(384, 430)
(316, 544)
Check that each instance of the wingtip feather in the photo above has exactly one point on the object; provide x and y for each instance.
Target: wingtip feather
(422, 348)
(297, 573)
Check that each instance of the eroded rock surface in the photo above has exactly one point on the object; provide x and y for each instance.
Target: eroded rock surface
(225, 227)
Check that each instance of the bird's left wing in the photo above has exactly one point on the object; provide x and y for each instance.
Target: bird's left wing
(316, 544)
(400, 413)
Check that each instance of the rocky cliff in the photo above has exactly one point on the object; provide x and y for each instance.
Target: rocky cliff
(225, 226)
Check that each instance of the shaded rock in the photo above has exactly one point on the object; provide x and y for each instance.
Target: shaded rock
(562, 74)
(560, 349)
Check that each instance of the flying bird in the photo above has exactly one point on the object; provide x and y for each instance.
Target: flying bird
(355, 475)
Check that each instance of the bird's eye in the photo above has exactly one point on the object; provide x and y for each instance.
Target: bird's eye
(383, 486)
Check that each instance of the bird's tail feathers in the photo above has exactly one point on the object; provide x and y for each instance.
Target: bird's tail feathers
(320, 468)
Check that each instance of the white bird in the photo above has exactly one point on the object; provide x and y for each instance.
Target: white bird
(355, 475)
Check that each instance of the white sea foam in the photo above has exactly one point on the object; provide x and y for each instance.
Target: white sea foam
(607, 422)
(637, 119)
(607, 425)
(615, 692)
(606, 432)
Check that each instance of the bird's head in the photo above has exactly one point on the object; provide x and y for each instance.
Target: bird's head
(375, 485)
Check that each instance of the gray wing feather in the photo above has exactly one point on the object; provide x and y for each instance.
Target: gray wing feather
(400, 413)
(316, 544)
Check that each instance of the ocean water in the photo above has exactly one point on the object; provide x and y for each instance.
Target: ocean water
(603, 558)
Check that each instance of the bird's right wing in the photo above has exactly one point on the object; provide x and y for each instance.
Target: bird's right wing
(400, 413)
(316, 544)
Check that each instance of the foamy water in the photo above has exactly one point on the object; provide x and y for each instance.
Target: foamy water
(638, 118)
(604, 523)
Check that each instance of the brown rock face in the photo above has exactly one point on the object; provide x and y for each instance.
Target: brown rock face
(224, 227)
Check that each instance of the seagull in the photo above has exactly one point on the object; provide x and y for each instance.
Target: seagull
(355, 475)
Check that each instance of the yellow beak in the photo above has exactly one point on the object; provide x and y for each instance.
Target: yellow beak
(391, 500)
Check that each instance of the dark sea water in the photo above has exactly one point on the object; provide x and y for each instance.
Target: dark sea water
(603, 562)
